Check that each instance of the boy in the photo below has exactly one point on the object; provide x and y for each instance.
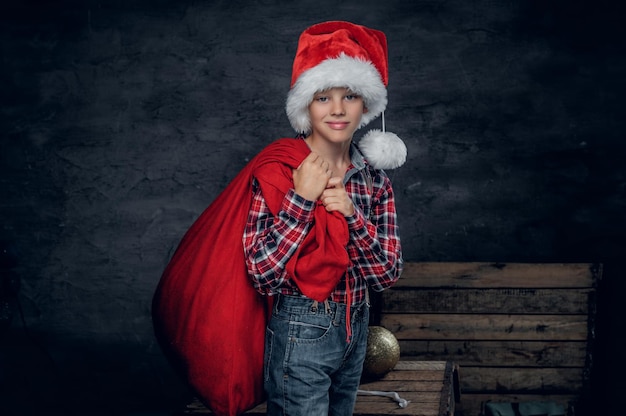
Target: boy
(322, 223)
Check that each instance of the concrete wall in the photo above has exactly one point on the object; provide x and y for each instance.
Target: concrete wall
(122, 120)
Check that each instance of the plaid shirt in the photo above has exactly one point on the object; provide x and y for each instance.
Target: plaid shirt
(374, 248)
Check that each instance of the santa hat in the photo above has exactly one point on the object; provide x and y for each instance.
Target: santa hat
(342, 54)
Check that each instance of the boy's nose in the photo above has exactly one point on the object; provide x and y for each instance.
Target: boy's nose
(337, 107)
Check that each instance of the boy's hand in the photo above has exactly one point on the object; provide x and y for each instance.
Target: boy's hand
(335, 197)
(311, 177)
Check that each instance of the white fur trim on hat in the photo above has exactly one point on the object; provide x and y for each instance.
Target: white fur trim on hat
(358, 75)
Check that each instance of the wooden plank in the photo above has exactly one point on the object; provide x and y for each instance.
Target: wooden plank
(494, 353)
(389, 404)
(419, 405)
(430, 376)
(487, 327)
(451, 392)
(487, 300)
(520, 380)
(422, 386)
(471, 404)
(499, 275)
(434, 365)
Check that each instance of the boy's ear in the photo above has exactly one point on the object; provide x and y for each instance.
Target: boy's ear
(365, 110)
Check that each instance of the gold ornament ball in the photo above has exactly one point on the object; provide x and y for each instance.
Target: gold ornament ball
(383, 352)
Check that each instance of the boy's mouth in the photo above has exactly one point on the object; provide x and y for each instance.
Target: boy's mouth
(337, 125)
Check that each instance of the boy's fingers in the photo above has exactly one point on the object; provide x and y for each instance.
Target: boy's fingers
(335, 182)
(311, 157)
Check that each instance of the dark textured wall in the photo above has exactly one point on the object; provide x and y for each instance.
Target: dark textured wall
(122, 120)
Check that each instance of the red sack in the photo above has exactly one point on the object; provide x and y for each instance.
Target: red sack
(208, 318)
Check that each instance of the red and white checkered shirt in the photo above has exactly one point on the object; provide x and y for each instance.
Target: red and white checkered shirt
(374, 248)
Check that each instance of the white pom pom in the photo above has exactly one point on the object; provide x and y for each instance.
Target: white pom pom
(383, 150)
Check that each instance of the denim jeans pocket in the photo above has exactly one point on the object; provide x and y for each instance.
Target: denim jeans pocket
(309, 327)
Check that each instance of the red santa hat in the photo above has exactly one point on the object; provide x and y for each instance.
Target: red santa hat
(343, 54)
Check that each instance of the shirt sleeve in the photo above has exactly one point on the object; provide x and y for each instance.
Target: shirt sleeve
(269, 242)
(377, 250)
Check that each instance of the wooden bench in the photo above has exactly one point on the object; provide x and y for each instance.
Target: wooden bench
(519, 332)
(430, 387)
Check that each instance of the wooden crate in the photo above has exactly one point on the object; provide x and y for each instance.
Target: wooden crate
(519, 332)
(430, 387)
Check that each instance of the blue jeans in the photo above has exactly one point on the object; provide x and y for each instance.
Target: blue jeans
(310, 367)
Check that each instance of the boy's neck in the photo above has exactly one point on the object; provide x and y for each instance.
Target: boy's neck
(334, 153)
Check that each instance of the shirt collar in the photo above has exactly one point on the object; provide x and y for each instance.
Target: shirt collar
(356, 157)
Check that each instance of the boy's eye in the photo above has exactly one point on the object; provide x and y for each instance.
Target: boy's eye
(350, 97)
(321, 98)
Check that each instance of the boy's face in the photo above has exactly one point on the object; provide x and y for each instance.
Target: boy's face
(336, 114)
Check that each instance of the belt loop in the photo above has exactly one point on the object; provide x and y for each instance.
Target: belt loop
(327, 306)
(277, 302)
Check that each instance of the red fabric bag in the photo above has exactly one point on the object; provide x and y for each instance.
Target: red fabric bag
(207, 316)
